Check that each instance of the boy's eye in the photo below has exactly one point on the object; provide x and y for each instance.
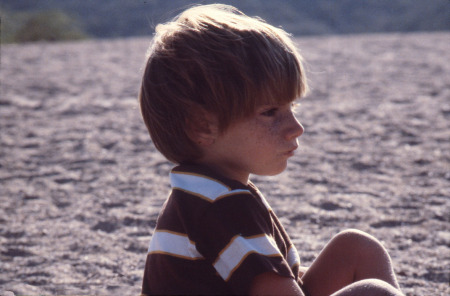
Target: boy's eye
(270, 112)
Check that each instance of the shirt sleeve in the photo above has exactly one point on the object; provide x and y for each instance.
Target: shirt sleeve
(236, 235)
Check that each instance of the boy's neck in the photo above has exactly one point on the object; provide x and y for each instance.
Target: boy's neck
(225, 171)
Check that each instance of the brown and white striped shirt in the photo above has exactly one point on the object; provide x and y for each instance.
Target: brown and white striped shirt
(213, 236)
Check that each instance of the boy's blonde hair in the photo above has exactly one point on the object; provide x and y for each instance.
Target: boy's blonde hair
(216, 58)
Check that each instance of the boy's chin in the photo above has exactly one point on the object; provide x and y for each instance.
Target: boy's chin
(272, 172)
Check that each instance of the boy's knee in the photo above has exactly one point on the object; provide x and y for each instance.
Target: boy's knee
(369, 287)
(359, 243)
(355, 237)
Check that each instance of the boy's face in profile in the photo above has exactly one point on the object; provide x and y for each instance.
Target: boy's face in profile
(259, 144)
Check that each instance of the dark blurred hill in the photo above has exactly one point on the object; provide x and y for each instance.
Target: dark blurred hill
(120, 18)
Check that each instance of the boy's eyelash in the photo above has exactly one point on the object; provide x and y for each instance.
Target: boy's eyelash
(270, 112)
(295, 107)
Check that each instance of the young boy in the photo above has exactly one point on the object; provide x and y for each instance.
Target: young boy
(216, 97)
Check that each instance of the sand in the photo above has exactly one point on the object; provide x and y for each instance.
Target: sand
(81, 184)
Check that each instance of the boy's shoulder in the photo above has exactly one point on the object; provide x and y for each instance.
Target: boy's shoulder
(199, 195)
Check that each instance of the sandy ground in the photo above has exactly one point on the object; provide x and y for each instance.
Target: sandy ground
(81, 184)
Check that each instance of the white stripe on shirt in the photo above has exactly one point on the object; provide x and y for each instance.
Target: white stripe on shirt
(174, 244)
(201, 186)
(231, 257)
(292, 257)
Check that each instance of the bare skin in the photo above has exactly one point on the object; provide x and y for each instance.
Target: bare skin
(260, 144)
(352, 263)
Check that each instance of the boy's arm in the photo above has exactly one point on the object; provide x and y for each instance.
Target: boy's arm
(270, 283)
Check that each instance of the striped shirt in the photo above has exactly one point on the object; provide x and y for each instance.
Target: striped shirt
(213, 236)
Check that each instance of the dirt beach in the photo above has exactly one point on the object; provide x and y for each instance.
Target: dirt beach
(81, 184)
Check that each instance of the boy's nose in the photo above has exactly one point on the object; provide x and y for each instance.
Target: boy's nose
(295, 128)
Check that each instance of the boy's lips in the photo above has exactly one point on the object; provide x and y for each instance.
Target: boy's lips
(291, 151)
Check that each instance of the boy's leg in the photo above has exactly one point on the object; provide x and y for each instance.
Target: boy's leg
(349, 257)
(370, 287)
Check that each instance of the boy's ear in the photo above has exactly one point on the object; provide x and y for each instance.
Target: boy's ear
(202, 127)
